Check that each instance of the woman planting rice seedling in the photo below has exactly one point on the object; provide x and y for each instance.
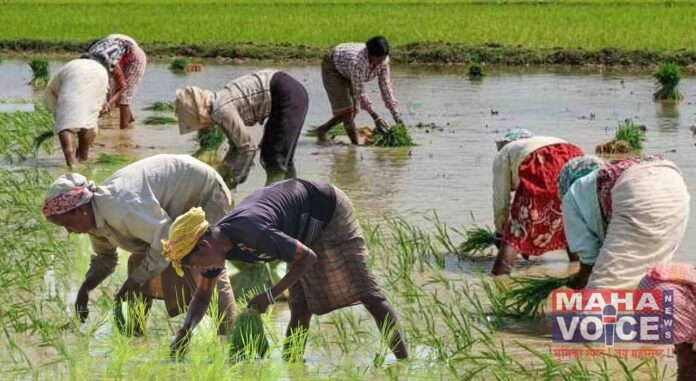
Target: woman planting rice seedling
(126, 63)
(680, 278)
(621, 218)
(75, 97)
(133, 210)
(532, 225)
(312, 227)
(345, 70)
(268, 95)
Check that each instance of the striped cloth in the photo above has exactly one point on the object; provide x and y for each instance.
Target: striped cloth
(680, 278)
(351, 60)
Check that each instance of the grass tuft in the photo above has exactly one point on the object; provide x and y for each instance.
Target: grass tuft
(248, 339)
(632, 134)
(179, 65)
(477, 240)
(526, 296)
(159, 120)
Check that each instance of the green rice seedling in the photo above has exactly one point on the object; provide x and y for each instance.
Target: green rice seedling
(339, 130)
(179, 64)
(526, 296)
(107, 159)
(668, 76)
(43, 139)
(40, 72)
(21, 131)
(248, 339)
(632, 134)
(210, 138)
(161, 106)
(477, 241)
(476, 70)
(396, 136)
(442, 234)
(159, 120)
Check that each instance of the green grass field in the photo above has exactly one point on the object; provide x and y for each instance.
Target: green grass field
(586, 24)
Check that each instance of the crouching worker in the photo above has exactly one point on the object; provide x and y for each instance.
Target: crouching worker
(680, 278)
(268, 95)
(312, 227)
(75, 97)
(532, 224)
(621, 218)
(133, 210)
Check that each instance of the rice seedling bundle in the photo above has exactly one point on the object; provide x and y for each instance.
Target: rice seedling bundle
(159, 120)
(119, 318)
(476, 70)
(40, 72)
(179, 65)
(632, 134)
(161, 106)
(526, 296)
(248, 336)
(396, 136)
(477, 240)
(668, 76)
(613, 147)
(210, 138)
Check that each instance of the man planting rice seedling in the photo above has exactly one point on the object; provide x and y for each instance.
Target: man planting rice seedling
(270, 95)
(344, 71)
(621, 218)
(75, 96)
(532, 224)
(126, 63)
(312, 227)
(133, 210)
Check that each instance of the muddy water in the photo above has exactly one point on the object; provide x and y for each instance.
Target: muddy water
(449, 171)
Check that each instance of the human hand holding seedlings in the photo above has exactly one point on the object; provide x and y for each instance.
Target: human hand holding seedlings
(303, 260)
(199, 304)
(380, 125)
(180, 342)
(129, 286)
(81, 302)
(397, 119)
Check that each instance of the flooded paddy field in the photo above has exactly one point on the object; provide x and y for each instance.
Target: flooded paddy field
(454, 121)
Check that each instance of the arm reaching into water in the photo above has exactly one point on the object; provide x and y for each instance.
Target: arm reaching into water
(197, 308)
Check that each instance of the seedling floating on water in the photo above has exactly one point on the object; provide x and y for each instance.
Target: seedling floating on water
(179, 65)
(161, 106)
(476, 70)
(248, 339)
(159, 120)
(668, 76)
(396, 136)
(40, 72)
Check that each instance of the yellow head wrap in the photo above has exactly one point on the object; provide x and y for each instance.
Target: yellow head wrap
(184, 233)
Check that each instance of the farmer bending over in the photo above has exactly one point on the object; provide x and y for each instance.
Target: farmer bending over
(529, 166)
(309, 225)
(622, 218)
(126, 62)
(133, 210)
(270, 95)
(345, 70)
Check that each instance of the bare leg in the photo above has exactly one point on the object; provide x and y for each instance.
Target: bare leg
(686, 362)
(504, 261)
(349, 123)
(85, 140)
(67, 143)
(326, 127)
(386, 320)
(299, 324)
(572, 257)
(126, 116)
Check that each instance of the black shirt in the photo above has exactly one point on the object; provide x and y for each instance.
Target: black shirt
(267, 225)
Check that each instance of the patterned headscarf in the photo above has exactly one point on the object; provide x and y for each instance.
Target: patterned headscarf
(575, 169)
(516, 134)
(67, 193)
(184, 233)
(191, 109)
